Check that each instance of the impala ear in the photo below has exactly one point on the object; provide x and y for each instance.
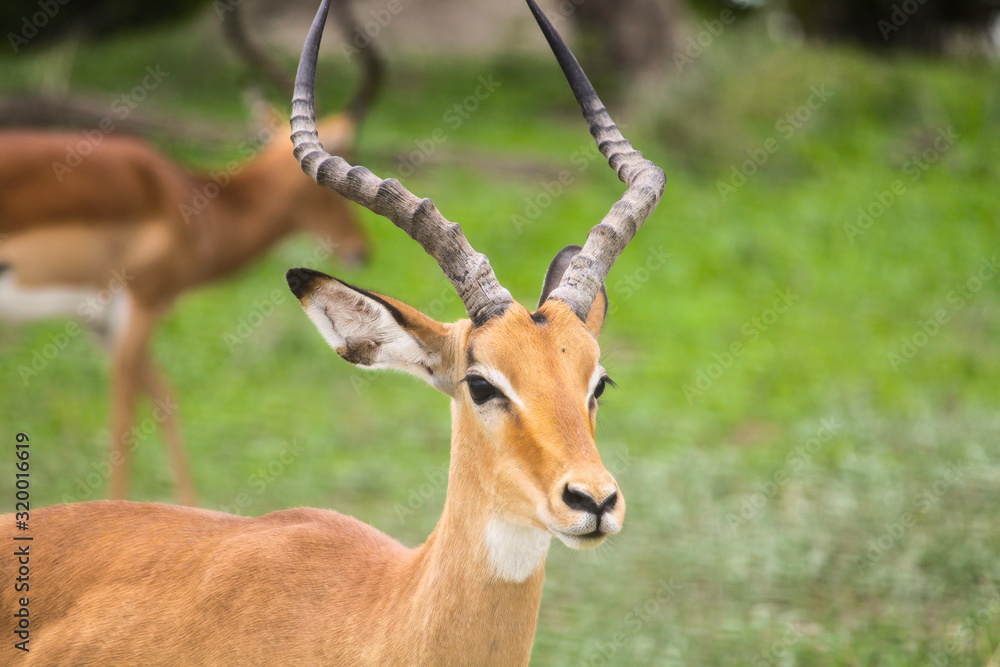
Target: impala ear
(598, 311)
(595, 319)
(373, 331)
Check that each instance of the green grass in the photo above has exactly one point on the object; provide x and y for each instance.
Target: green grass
(749, 537)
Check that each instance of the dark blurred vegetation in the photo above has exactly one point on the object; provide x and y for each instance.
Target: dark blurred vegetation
(918, 25)
(631, 36)
(35, 24)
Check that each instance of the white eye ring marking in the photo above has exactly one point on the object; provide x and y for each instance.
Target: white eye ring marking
(599, 372)
(498, 380)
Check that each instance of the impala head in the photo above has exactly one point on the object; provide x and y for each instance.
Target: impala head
(318, 210)
(524, 385)
(324, 212)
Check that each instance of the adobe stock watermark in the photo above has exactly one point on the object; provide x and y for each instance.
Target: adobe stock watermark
(534, 205)
(629, 285)
(41, 357)
(453, 117)
(121, 108)
(914, 168)
(604, 652)
(786, 127)
(776, 653)
(247, 324)
(223, 7)
(33, 23)
(619, 461)
(752, 330)
(564, 10)
(258, 481)
(417, 497)
(696, 44)
(369, 26)
(95, 306)
(93, 310)
(901, 13)
(94, 481)
(966, 632)
(924, 500)
(377, 19)
(205, 193)
(795, 462)
(902, 353)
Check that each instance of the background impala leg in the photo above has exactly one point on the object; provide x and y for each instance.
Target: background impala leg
(166, 409)
(123, 393)
(126, 381)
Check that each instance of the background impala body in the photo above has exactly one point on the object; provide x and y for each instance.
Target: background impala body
(178, 585)
(128, 222)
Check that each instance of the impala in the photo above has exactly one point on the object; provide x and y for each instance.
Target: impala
(131, 231)
(116, 582)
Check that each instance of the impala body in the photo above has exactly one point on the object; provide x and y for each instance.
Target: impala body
(117, 233)
(127, 209)
(119, 582)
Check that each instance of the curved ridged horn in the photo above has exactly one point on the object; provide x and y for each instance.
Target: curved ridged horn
(589, 269)
(469, 271)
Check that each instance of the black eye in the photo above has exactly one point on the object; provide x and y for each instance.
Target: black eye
(479, 389)
(602, 385)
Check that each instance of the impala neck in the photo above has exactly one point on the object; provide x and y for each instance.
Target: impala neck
(250, 212)
(470, 605)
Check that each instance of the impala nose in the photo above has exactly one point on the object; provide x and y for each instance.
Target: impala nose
(580, 500)
(585, 509)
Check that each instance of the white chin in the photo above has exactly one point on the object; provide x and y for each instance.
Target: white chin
(579, 542)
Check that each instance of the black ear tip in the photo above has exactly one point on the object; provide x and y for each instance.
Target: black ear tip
(299, 280)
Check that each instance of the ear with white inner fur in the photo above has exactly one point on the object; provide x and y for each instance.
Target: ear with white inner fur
(370, 330)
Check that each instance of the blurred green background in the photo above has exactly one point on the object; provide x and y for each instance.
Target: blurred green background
(804, 337)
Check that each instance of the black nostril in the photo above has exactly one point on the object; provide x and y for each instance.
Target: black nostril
(581, 501)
